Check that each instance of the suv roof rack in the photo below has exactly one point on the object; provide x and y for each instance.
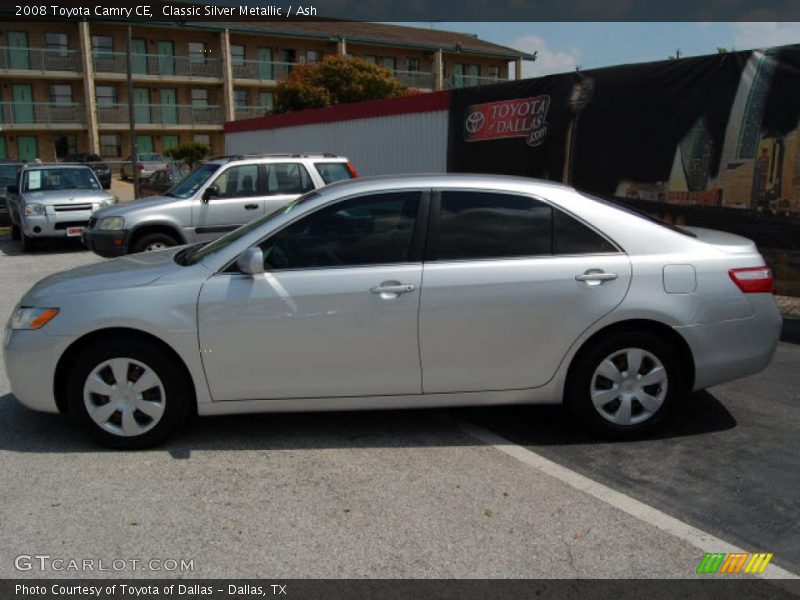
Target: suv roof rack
(276, 155)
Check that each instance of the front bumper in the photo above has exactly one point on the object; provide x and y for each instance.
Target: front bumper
(30, 360)
(56, 225)
(107, 244)
(728, 350)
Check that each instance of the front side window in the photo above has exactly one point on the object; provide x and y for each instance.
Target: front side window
(476, 225)
(288, 178)
(238, 182)
(368, 230)
(193, 181)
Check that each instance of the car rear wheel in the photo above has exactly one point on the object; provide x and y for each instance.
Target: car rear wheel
(623, 385)
(154, 241)
(128, 395)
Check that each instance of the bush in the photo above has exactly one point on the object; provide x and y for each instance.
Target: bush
(189, 153)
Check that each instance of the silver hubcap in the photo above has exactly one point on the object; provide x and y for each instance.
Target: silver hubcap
(155, 246)
(629, 386)
(124, 397)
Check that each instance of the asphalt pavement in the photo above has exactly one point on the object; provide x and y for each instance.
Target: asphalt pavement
(406, 493)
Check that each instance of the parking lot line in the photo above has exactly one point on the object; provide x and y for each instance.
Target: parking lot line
(696, 537)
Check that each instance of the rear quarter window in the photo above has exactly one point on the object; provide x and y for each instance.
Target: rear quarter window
(570, 236)
(331, 172)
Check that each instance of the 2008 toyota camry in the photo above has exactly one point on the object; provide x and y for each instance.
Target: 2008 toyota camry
(415, 291)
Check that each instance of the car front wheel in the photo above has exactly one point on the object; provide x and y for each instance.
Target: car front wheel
(154, 241)
(623, 385)
(128, 395)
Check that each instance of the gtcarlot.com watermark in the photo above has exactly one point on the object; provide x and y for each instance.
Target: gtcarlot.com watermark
(58, 564)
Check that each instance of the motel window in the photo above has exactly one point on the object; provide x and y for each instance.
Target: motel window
(102, 44)
(61, 94)
(106, 95)
(197, 52)
(199, 97)
(389, 62)
(110, 144)
(56, 43)
(265, 100)
(494, 72)
(412, 64)
(237, 54)
(372, 59)
(202, 138)
(240, 98)
(313, 57)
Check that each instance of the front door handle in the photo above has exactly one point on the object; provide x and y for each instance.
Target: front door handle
(392, 289)
(250, 206)
(595, 277)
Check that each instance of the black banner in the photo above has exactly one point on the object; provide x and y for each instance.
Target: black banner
(434, 589)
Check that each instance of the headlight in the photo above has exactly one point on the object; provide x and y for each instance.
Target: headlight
(111, 224)
(32, 318)
(107, 202)
(34, 209)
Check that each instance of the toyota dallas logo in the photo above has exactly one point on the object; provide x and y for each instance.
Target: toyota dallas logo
(474, 122)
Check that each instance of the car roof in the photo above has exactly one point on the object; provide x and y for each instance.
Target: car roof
(455, 180)
(279, 156)
(34, 166)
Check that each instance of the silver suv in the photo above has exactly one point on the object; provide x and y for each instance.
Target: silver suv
(52, 201)
(217, 197)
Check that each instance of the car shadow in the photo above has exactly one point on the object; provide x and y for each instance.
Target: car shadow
(9, 247)
(23, 430)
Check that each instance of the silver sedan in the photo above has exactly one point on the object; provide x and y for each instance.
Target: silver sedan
(401, 292)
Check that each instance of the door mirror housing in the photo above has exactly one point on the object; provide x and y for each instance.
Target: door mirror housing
(251, 261)
(211, 191)
(12, 189)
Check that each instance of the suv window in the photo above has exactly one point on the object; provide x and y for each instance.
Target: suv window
(474, 225)
(367, 230)
(331, 172)
(238, 182)
(288, 178)
(570, 236)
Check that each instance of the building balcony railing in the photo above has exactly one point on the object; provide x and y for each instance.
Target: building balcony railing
(157, 64)
(462, 81)
(39, 59)
(415, 79)
(262, 70)
(41, 113)
(160, 114)
(252, 112)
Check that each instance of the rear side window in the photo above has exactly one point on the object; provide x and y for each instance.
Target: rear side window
(474, 225)
(288, 178)
(570, 236)
(331, 172)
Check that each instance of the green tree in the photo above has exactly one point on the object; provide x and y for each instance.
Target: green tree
(190, 153)
(335, 80)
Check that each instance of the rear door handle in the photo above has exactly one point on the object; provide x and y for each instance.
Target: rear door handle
(596, 276)
(393, 288)
(250, 206)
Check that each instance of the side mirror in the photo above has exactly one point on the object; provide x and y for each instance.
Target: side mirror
(211, 191)
(251, 261)
(12, 189)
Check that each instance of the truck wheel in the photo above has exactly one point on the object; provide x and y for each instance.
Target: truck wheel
(15, 232)
(154, 241)
(28, 244)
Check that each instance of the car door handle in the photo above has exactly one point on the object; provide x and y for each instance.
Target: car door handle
(250, 206)
(393, 288)
(595, 275)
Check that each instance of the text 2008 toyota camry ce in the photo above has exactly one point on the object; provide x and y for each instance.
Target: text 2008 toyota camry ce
(416, 291)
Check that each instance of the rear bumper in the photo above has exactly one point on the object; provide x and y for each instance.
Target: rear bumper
(106, 243)
(728, 350)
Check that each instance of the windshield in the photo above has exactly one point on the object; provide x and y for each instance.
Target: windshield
(199, 252)
(9, 172)
(193, 181)
(45, 180)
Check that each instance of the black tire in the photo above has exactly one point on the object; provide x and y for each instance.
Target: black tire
(15, 233)
(177, 402)
(150, 239)
(578, 392)
(28, 244)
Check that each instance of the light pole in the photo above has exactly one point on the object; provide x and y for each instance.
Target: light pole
(131, 116)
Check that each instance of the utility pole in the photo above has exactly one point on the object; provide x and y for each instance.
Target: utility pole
(131, 117)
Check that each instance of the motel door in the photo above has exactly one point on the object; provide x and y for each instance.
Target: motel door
(27, 148)
(19, 56)
(169, 110)
(23, 103)
(265, 64)
(166, 57)
(138, 56)
(141, 105)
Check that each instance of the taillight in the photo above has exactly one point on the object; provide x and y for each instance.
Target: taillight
(140, 166)
(352, 170)
(753, 280)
